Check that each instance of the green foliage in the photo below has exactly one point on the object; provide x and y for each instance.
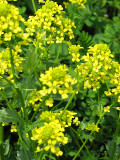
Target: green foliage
(24, 96)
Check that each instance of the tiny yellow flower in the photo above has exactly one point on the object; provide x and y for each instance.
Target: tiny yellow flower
(49, 102)
(107, 109)
(118, 108)
(92, 127)
(13, 128)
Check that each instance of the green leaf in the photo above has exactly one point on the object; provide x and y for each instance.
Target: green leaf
(8, 116)
(21, 155)
(73, 73)
(6, 147)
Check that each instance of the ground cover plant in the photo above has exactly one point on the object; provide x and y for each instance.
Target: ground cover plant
(59, 80)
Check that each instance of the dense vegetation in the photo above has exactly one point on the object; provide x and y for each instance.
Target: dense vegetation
(60, 79)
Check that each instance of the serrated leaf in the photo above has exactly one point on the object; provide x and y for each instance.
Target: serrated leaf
(8, 116)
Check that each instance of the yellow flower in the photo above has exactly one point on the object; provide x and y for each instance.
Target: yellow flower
(41, 1)
(118, 108)
(57, 80)
(107, 109)
(49, 102)
(49, 137)
(13, 128)
(49, 20)
(66, 4)
(92, 127)
(80, 2)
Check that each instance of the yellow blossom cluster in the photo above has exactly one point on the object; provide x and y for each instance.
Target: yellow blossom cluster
(48, 136)
(5, 63)
(49, 102)
(51, 135)
(35, 99)
(74, 51)
(80, 2)
(41, 1)
(13, 128)
(57, 80)
(97, 64)
(10, 24)
(114, 74)
(49, 26)
(67, 119)
(92, 127)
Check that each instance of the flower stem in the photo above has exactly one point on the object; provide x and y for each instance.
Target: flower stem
(87, 139)
(33, 2)
(16, 85)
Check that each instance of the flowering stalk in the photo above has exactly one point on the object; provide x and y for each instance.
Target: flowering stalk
(16, 86)
(81, 140)
(33, 2)
(83, 145)
(58, 55)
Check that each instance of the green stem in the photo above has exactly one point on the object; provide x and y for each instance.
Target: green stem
(41, 155)
(87, 139)
(67, 105)
(12, 64)
(33, 146)
(112, 156)
(76, 141)
(6, 79)
(29, 77)
(82, 147)
(10, 107)
(82, 142)
(16, 86)
(1, 141)
(72, 96)
(57, 105)
(58, 55)
(34, 114)
(22, 142)
(99, 105)
(33, 3)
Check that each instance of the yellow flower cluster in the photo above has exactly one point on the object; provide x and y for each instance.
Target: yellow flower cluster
(97, 64)
(92, 127)
(49, 102)
(66, 120)
(80, 2)
(5, 64)
(9, 23)
(41, 1)
(13, 128)
(35, 99)
(49, 26)
(48, 136)
(114, 74)
(74, 51)
(57, 80)
(51, 135)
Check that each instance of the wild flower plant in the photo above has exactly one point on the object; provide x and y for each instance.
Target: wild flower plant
(40, 95)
